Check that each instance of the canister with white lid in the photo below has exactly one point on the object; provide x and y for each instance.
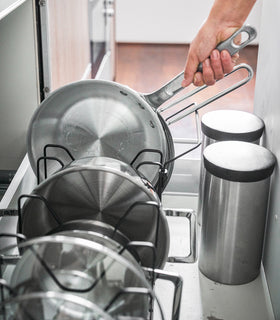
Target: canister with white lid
(227, 125)
(237, 180)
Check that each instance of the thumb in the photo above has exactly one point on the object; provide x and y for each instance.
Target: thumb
(190, 70)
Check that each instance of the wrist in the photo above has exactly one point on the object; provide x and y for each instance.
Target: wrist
(229, 13)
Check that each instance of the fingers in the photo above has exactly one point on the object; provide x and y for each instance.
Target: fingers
(212, 69)
(215, 67)
(226, 61)
(216, 64)
(198, 79)
(208, 73)
(190, 69)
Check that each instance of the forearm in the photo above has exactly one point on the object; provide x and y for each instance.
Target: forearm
(230, 13)
(226, 17)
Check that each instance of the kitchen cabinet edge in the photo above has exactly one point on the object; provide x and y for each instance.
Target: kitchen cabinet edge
(6, 9)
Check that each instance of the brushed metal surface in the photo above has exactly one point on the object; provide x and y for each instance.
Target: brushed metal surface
(52, 305)
(232, 233)
(99, 232)
(99, 189)
(96, 118)
(86, 269)
(227, 125)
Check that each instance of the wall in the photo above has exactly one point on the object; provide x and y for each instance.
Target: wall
(267, 106)
(165, 21)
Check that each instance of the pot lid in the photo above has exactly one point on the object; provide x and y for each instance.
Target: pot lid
(52, 305)
(83, 268)
(238, 125)
(101, 189)
(238, 161)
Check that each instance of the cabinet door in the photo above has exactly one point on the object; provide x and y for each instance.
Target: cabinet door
(19, 84)
(68, 47)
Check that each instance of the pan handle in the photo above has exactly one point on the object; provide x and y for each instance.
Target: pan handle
(194, 107)
(158, 97)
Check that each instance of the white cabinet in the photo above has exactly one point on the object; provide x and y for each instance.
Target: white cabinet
(165, 21)
(267, 97)
(19, 92)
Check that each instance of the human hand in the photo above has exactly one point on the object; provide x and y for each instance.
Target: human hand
(202, 49)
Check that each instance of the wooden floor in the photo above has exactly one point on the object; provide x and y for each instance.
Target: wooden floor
(146, 67)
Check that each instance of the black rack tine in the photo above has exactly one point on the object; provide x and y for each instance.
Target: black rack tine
(131, 291)
(63, 287)
(177, 281)
(129, 210)
(182, 154)
(148, 245)
(4, 284)
(45, 158)
(52, 145)
(10, 259)
(128, 291)
(131, 250)
(52, 275)
(199, 139)
(155, 163)
(178, 112)
(41, 198)
(147, 150)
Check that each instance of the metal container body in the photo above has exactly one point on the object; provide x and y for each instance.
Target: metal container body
(206, 141)
(233, 224)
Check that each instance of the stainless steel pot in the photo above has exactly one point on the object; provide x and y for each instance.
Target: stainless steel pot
(103, 118)
(101, 189)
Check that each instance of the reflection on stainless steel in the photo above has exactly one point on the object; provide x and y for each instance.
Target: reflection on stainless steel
(194, 107)
(101, 189)
(84, 268)
(102, 118)
(96, 118)
(226, 125)
(101, 233)
(236, 192)
(163, 94)
(52, 306)
(100, 225)
(191, 216)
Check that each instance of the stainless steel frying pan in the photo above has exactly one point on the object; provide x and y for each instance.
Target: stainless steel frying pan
(103, 118)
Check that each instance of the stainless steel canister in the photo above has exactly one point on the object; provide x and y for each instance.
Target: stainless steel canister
(226, 125)
(236, 194)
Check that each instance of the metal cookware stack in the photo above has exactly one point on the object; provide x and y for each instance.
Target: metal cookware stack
(92, 236)
(94, 230)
